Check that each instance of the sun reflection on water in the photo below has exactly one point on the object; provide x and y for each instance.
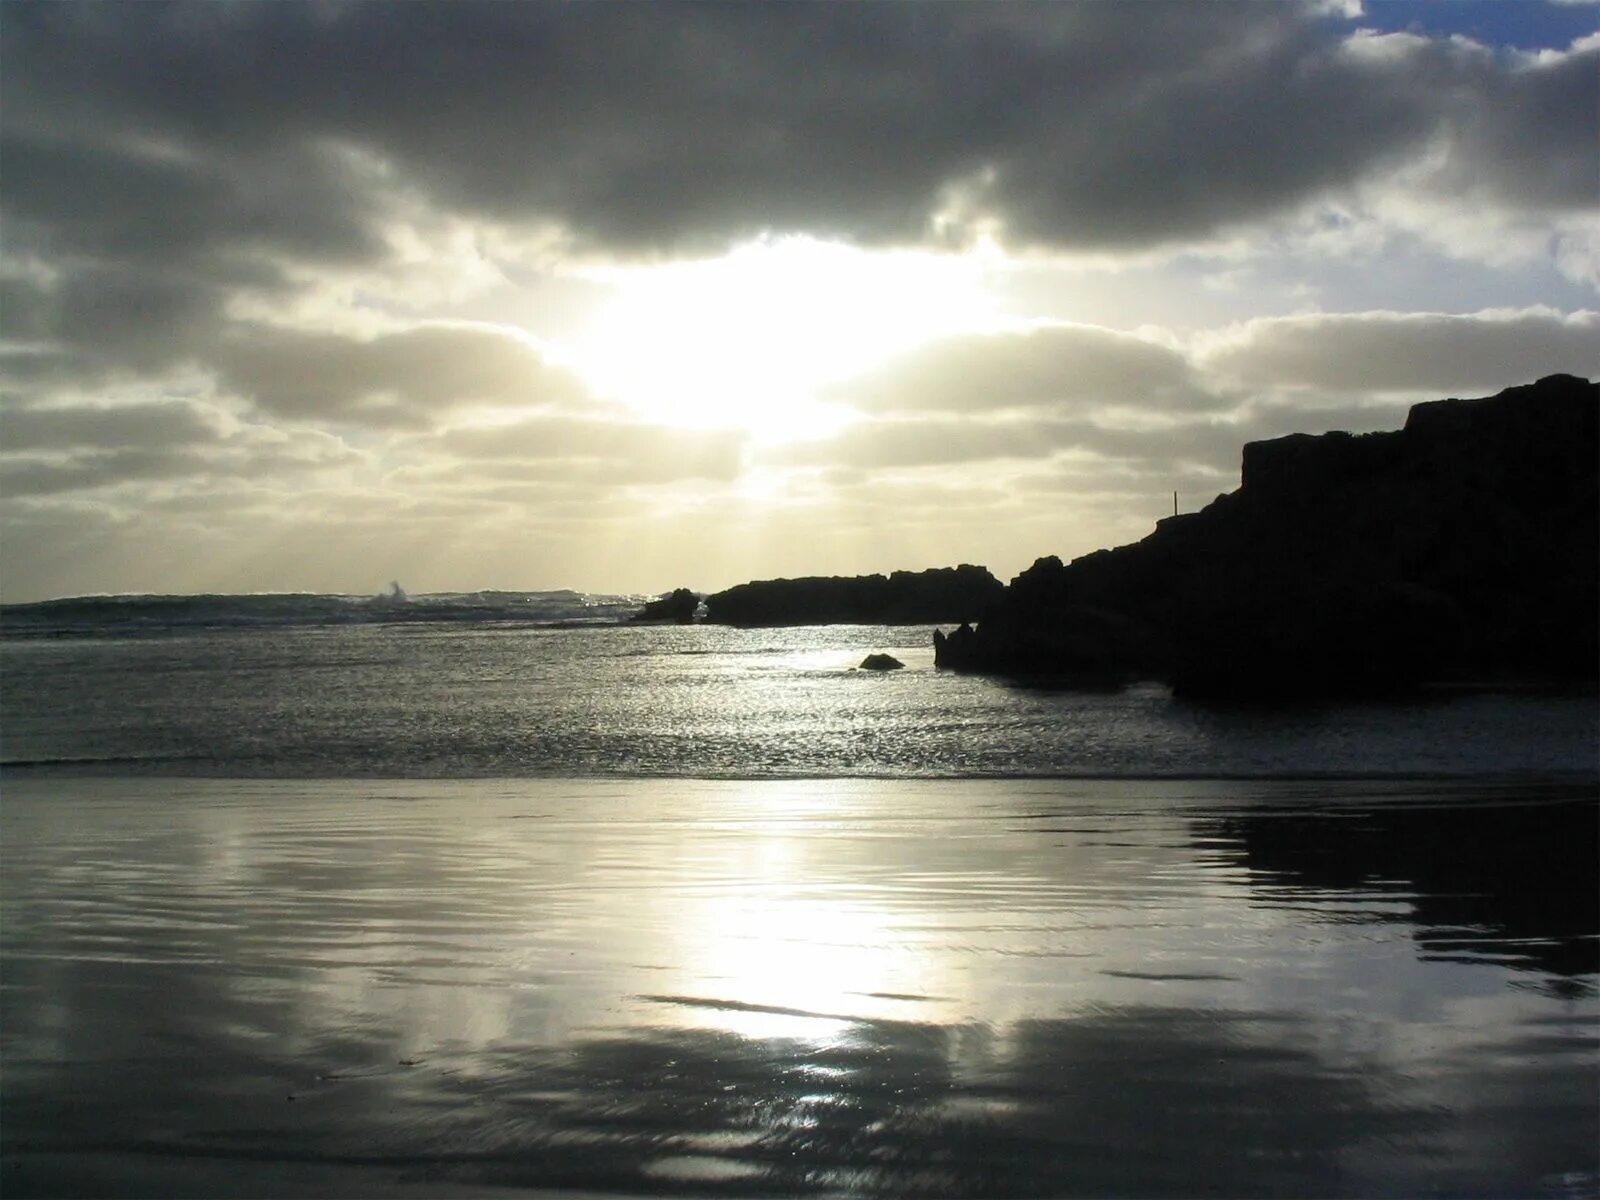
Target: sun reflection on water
(796, 952)
(918, 987)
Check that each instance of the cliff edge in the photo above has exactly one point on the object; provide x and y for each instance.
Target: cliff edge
(1465, 546)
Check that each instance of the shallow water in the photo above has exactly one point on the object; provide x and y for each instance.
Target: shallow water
(445, 701)
(914, 987)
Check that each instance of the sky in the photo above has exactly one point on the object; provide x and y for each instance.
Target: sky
(625, 297)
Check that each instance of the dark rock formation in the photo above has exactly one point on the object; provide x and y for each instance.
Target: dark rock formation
(881, 662)
(1465, 546)
(677, 607)
(904, 598)
(954, 647)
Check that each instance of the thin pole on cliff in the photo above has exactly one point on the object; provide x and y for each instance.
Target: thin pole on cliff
(1174, 503)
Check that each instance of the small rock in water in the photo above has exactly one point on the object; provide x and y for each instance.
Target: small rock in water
(881, 662)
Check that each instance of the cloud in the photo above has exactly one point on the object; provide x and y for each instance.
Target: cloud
(1098, 463)
(405, 377)
(170, 168)
(94, 323)
(1529, 138)
(138, 243)
(937, 440)
(39, 477)
(1058, 368)
(135, 201)
(278, 128)
(279, 272)
(572, 447)
(148, 425)
(86, 447)
(22, 476)
(943, 440)
(1112, 483)
(1428, 353)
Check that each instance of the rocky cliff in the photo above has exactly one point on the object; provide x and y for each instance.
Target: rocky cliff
(1465, 545)
(905, 597)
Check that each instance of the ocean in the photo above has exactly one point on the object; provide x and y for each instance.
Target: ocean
(490, 896)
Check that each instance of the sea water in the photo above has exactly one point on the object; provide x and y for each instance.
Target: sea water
(384, 909)
(455, 700)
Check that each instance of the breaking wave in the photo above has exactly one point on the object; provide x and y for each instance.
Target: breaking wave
(89, 616)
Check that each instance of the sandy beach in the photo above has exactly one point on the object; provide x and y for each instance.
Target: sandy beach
(1024, 987)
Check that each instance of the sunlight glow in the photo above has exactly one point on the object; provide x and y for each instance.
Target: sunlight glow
(800, 956)
(746, 340)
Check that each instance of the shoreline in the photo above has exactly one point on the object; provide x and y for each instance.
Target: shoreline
(1575, 777)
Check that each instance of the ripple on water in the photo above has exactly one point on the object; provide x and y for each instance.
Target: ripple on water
(891, 986)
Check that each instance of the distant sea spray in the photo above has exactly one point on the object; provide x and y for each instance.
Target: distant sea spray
(89, 616)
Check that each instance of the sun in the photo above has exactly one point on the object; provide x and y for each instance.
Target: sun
(748, 340)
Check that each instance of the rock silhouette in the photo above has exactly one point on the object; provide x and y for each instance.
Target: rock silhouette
(1465, 546)
(677, 606)
(881, 662)
(903, 598)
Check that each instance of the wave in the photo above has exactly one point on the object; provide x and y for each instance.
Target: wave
(99, 616)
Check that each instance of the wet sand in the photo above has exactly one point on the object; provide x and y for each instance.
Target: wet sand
(228, 1178)
(1092, 988)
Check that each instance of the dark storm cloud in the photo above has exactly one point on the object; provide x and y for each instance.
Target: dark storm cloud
(144, 241)
(1531, 138)
(146, 203)
(640, 126)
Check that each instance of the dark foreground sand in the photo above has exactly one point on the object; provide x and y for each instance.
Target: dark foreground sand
(24, 1176)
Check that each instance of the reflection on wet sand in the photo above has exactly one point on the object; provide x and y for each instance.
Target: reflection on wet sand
(1141, 1101)
(1511, 878)
(909, 989)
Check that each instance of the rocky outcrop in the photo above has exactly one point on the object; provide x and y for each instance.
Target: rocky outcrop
(1465, 545)
(676, 607)
(881, 662)
(903, 598)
